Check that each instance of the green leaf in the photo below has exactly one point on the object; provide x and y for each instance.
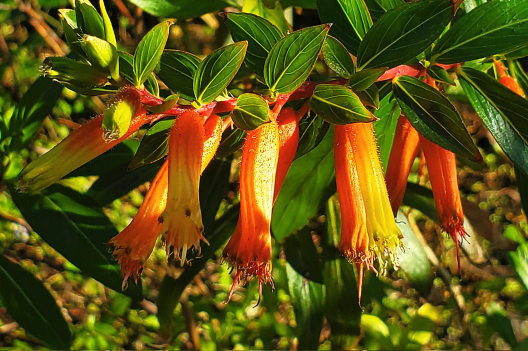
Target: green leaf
(421, 198)
(88, 19)
(154, 145)
(522, 184)
(32, 306)
(492, 28)
(177, 70)
(385, 127)
(217, 70)
(304, 188)
(250, 112)
(440, 75)
(260, 34)
(434, 116)
(232, 140)
(272, 12)
(171, 289)
(149, 51)
(412, 259)
(500, 322)
(351, 20)
(338, 105)
(364, 79)
(77, 228)
(370, 96)
(520, 256)
(292, 59)
(31, 110)
(518, 73)
(338, 58)
(181, 8)
(497, 123)
(312, 130)
(511, 106)
(107, 23)
(126, 69)
(403, 32)
(302, 256)
(342, 308)
(306, 4)
(308, 303)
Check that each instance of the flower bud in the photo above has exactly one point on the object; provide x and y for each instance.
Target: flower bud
(101, 54)
(117, 117)
(63, 69)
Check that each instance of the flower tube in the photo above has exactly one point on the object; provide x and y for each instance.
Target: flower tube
(288, 142)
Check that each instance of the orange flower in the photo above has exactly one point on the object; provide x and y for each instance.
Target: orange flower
(250, 246)
(288, 141)
(441, 166)
(509, 82)
(404, 151)
(133, 246)
(182, 218)
(81, 146)
(369, 231)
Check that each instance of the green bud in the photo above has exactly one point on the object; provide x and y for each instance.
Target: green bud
(64, 69)
(250, 112)
(116, 119)
(101, 54)
(70, 29)
(88, 19)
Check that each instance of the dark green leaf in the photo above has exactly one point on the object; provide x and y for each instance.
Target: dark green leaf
(250, 112)
(32, 306)
(78, 229)
(403, 32)
(370, 96)
(31, 110)
(171, 289)
(114, 185)
(511, 106)
(420, 198)
(517, 53)
(500, 322)
(270, 10)
(434, 116)
(154, 145)
(177, 69)
(338, 105)
(312, 130)
(338, 58)
(304, 188)
(495, 120)
(364, 79)
(492, 28)
(412, 259)
(440, 75)
(232, 140)
(292, 59)
(217, 70)
(375, 10)
(385, 127)
(522, 183)
(308, 303)
(306, 4)
(126, 69)
(89, 20)
(351, 20)
(149, 51)
(342, 307)
(518, 73)
(181, 8)
(301, 254)
(260, 34)
(114, 159)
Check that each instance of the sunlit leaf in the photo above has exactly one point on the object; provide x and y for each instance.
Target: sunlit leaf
(149, 51)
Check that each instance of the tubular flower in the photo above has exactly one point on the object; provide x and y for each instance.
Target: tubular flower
(404, 150)
(81, 146)
(182, 218)
(441, 166)
(133, 246)
(288, 141)
(509, 82)
(249, 249)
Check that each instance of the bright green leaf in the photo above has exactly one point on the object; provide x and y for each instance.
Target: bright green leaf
(250, 112)
(272, 12)
(182, 8)
(89, 20)
(338, 58)
(385, 127)
(149, 51)
(177, 70)
(365, 78)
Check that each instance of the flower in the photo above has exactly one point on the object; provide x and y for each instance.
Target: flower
(288, 142)
(368, 231)
(81, 146)
(249, 249)
(133, 246)
(404, 150)
(182, 217)
(441, 166)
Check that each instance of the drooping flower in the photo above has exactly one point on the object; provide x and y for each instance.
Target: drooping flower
(182, 217)
(249, 249)
(369, 231)
(441, 166)
(133, 246)
(288, 142)
(81, 146)
(403, 153)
